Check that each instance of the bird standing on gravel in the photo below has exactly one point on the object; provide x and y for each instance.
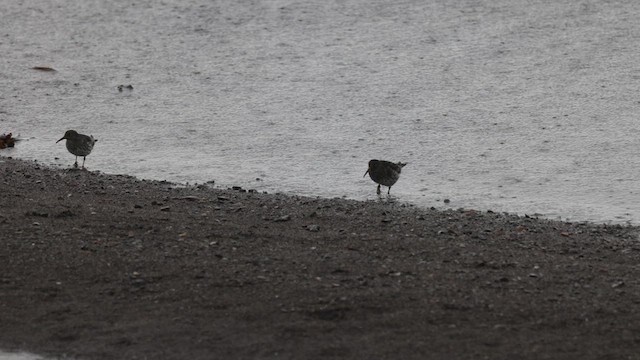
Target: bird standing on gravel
(384, 173)
(78, 145)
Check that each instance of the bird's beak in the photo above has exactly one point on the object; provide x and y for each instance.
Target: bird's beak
(60, 139)
(365, 174)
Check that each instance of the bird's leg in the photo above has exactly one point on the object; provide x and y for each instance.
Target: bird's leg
(75, 164)
(389, 191)
(83, 159)
(378, 191)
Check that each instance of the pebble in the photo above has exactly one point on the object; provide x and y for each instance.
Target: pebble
(283, 218)
(617, 284)
(36, 213)
(313, 228)
(190, 198)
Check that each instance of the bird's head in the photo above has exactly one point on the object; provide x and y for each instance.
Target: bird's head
(371, 164)
(68, 135)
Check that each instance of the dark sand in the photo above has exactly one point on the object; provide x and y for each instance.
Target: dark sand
(96, 266)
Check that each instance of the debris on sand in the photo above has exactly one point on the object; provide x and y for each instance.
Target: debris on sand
(7, 140)
(125, 87)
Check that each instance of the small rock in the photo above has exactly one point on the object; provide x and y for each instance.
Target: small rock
(617, 284)
(165, 208)
(313, 228)
(283, 218)
(446, 201)
(65, 213)
(37, 213)
(190, 198)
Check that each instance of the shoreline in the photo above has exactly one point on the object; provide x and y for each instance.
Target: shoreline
(98, 266)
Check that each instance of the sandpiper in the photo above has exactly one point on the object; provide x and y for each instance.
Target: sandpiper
(384, 172)
(78, 145)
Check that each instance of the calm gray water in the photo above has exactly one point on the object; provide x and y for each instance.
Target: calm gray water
(19, 356)
(519, 106)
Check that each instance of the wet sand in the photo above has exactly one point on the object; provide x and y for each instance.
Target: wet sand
(96, 266)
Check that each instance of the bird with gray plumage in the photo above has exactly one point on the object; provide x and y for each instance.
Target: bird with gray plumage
(78, 145)
(384, 173)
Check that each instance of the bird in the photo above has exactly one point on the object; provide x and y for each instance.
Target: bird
(78, 145)
(384, 172)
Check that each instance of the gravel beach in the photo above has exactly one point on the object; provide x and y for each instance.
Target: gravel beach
(97, 266)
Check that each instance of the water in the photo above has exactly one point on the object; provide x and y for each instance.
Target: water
(518, 106)
(19, 356)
